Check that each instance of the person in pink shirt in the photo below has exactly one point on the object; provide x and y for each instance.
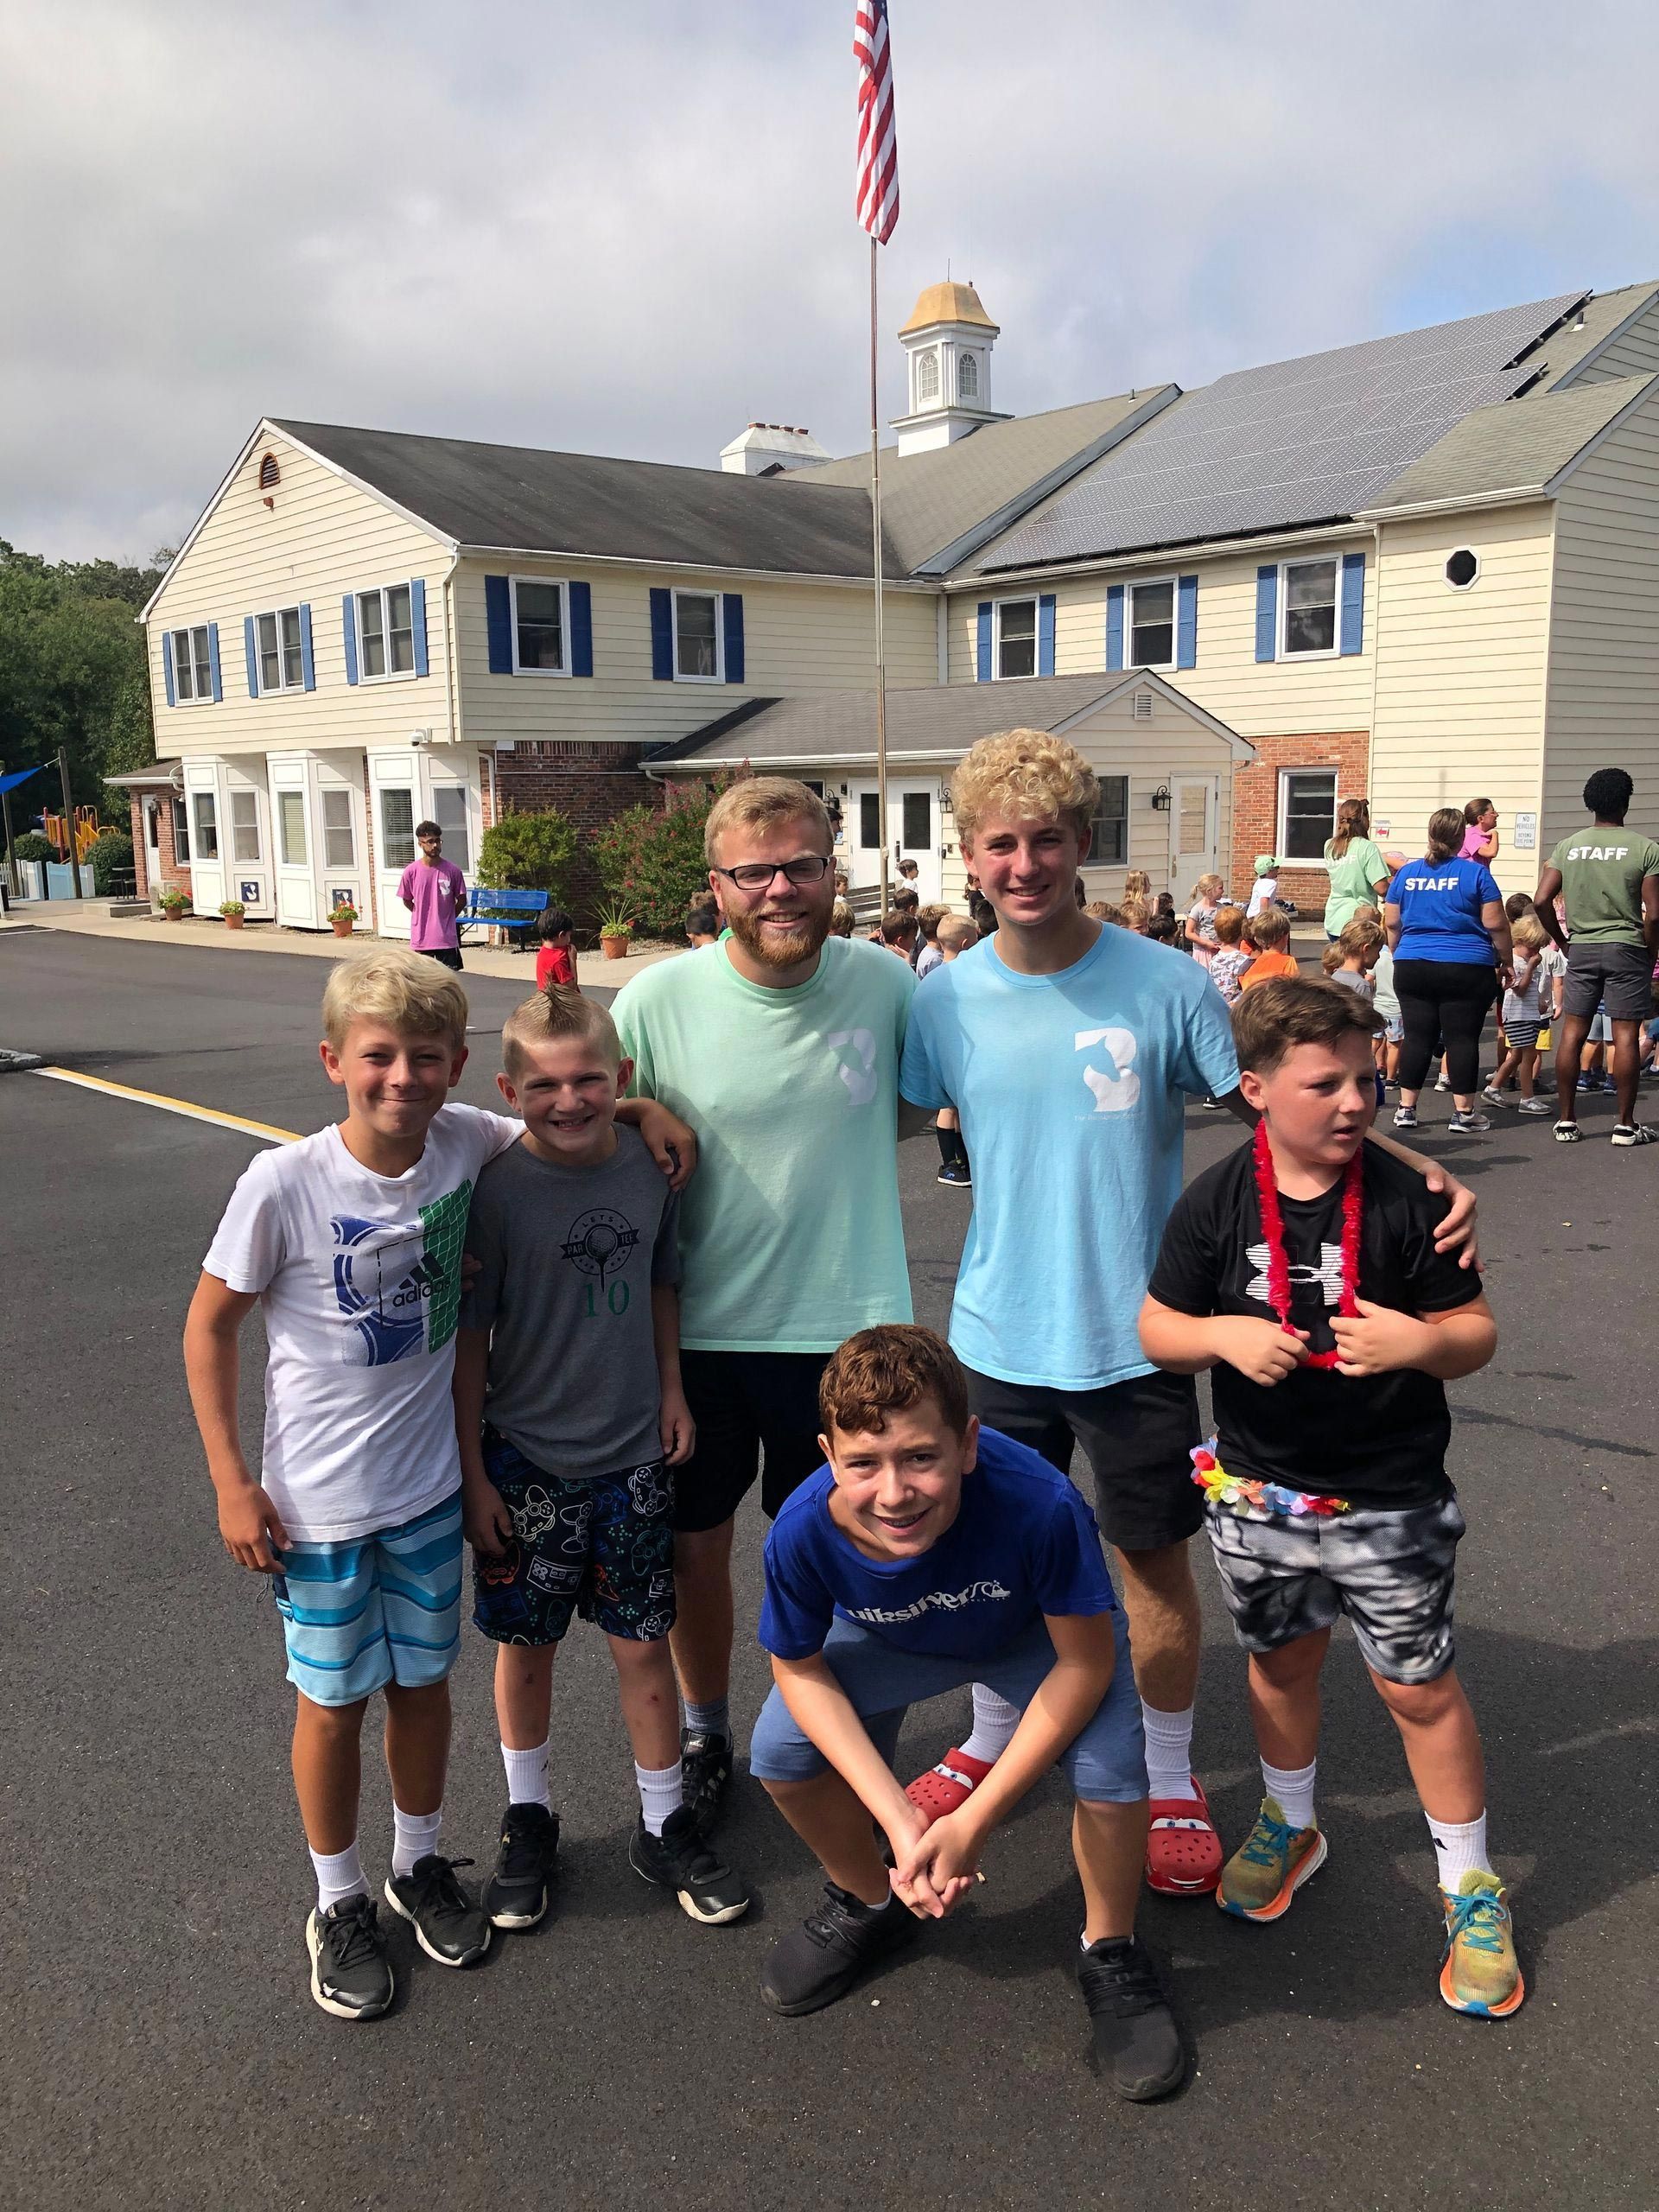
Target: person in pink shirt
(1480, 839)
(435, 892)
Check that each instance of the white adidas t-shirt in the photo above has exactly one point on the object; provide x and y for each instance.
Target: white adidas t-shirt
(358, 1275)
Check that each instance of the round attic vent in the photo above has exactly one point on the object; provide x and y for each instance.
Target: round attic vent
(1462, 568)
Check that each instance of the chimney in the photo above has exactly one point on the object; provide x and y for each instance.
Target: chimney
(772, 449)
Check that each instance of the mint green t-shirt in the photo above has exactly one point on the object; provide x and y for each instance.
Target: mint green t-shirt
(791, 1237)
(1353, 875)
(1602, 868)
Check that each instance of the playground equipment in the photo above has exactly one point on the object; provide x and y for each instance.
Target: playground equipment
(85, 829)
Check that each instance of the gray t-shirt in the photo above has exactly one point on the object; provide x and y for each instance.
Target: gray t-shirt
(568, 1256)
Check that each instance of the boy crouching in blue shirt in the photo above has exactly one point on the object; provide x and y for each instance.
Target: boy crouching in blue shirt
(927, 1554)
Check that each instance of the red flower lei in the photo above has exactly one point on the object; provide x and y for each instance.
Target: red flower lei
(1272, 1230)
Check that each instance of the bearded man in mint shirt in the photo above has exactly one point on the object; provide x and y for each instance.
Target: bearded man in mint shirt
(1069, 1048)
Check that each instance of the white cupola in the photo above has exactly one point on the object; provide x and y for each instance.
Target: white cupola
(947, 342)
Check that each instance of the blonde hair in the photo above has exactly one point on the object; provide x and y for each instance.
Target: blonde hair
(1137, 884)
(761, 802)
(1332, 957)
(841, 919)
(1268, 929)
(1527, 931)
(409, 991)
(1024, 775)
(1362, 936)
(1208, 886)
(1135, 914)
(928, 917)
(956, 933)
(558, 1012)
(1230, 925)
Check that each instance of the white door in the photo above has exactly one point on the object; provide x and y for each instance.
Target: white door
(244, 840)
(394, 787)
(913, 833)
(293, 834)
(1194, 809)
(208, 837)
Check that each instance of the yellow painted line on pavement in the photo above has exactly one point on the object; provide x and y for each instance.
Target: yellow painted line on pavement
(192, 1113)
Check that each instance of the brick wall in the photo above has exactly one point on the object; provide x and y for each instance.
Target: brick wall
(172, 871)
(1255, 806)
(589, 783)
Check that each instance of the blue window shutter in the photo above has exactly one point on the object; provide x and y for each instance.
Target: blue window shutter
(1046, 633)
(1114, 625)
(308, 665)
(166, 668)
(348, 627)
(1267, 611)
(1351, 637)
(662, 635)
(1186, 621)
(731, 617)
(252, 657)
(581, 629)
(212, 660)
(982, 649)
(417, 622)
(497, 622)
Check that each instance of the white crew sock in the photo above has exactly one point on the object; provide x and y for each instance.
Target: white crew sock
(1293, 1788)
(526, 1775)
(414, 1834)
(1460, 1848)
(994, 1722)
(661, 1793)
(712, 1718)
(1169, 1752)
(339, 1876)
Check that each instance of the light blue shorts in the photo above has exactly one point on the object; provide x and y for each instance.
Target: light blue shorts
(378, 1609)
(1106, 1763)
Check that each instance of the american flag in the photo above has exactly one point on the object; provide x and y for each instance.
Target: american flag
(877, 200)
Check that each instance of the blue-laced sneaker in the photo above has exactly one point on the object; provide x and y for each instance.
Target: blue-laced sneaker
(1270, 1866)
(1479, 1973)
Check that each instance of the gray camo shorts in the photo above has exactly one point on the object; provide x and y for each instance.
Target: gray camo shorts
(1391, 1572)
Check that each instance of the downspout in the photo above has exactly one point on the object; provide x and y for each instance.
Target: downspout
(1376, 651)
(942, 638)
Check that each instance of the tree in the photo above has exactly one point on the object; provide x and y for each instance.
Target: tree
(651, 858)
(527, 852)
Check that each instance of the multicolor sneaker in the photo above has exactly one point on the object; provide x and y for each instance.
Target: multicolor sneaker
(1270, 1866)
(1479, 1973)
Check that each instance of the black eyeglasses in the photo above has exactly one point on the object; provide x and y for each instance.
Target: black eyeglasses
(757, 875)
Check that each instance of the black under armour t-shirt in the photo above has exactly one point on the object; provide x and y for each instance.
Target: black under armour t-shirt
(1378, 1440)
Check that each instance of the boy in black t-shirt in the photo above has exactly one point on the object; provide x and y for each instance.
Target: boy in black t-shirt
(1303, 1270)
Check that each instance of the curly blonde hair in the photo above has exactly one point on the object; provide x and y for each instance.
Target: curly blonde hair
(1024, 775)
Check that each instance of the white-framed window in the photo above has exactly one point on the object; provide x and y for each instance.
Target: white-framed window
(1462, 567)
(541, 625)
(1109, 842)
(276, 643)
(207, 836)
(1014, 644)
(699, 649)
(1308, 607)
(397, 827)
(1307, 812)
(449, 813)
(181, 835)
(967, 376)
(869, 822)
(927, 376)
(244, 825)
(192, 666)
(1150, 622)
(385, 633)
(339, 838)
(290, 828)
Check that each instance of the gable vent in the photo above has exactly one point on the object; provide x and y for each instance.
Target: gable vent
(1143, 706)
(270, 475)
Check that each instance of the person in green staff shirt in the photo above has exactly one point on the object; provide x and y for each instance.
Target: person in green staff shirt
(1359, 875)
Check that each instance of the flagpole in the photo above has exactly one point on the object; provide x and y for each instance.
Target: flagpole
(875, 522)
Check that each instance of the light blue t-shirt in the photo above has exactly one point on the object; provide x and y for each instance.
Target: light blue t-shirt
(1072, 1091)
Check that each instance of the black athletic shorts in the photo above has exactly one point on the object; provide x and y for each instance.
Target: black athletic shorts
(447, 953)
(1137, 1434)
(1617, 977)
(748, 1405)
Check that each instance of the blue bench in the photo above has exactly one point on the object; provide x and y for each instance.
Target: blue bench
(515, 912)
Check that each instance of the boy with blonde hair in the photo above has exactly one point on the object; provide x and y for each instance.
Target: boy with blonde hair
(351, 1243)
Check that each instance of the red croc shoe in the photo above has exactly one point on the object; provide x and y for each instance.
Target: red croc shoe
(1183, 1850)
(947, 1785)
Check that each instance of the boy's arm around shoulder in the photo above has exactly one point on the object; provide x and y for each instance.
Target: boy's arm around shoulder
(248, 1522)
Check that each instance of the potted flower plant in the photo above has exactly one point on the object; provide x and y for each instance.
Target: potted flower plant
(615, 926)
(175, 904)
(233, 910)
(342, 919)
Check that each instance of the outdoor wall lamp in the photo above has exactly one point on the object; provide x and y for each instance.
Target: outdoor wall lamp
(1160, 798)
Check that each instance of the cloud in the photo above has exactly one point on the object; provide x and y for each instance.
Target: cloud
(629, 229)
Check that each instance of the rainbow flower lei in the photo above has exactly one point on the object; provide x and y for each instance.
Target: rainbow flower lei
(1254, 1501)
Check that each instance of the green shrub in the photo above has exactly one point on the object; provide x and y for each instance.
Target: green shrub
(651, 858)
(31, 846)
(111, 854)
(527, 852)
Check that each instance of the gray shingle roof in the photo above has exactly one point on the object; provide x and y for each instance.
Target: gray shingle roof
(1516, 446)
(1565, 350)
(523, 499)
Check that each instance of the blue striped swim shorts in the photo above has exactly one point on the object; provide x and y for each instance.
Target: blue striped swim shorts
(378, 1609)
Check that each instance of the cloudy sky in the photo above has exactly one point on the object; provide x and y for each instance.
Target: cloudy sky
(628, 229)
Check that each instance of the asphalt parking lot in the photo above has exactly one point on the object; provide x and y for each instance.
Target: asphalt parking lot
(163, 2048)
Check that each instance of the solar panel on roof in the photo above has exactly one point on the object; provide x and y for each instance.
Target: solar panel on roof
(1297, 441)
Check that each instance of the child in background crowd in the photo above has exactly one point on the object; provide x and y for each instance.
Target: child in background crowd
(1265, 889)
(1201, 919)
(1357, 949)
(906, 899)
(1270, 933)
(1137, 884)
(1101, 909)
(1135, 914)
(1232, 958)
(1521, 1019)
(1165, 929)
(701, 923)
(955, 936)
(841, 921)
(928, 955)
(900, 934)
(1595, 1066)
(555, 960)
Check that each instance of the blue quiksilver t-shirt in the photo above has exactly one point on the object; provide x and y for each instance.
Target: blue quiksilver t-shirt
(1072, 1089)
(1024, 1543)
(1439, 904)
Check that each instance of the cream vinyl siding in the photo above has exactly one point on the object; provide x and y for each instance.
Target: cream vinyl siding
(1635, 353)
(797, 638)
(1256, 698)
(321, 538)
(1460, 676)
(1603, 661)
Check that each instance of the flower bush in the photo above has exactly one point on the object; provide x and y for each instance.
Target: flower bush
(651, 858)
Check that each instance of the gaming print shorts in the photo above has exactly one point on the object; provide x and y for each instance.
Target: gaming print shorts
(602, 1548)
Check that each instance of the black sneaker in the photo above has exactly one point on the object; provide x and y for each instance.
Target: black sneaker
(350, 1974)
(705, 1769)
(680, 1861)
(833, 1946)
(957, 1174)
(448, 1926)
(1135, 2039)
(516, 1894)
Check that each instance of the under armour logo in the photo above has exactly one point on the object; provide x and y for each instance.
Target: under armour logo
(1328, 1274)
(1116, 1089)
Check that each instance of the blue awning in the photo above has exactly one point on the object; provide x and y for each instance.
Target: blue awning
(21, 776)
